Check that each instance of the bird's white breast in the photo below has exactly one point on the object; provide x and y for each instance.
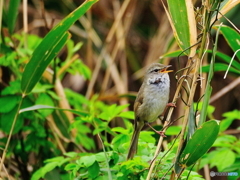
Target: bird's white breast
(155, 99)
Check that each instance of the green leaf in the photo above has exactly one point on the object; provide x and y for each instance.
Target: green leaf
(183, 24)
(120, 130)
(230, 117)
(220, 67)
(40, 173)
(232, 37)
(7, 121)
(49, 48)
(93, 170)
(39, 88)
(199, 144)
(12, 89)
(7, 103)
(12, 14)
(173, 54)
(42, 56)
(87, 160)
(173, 130)
(70, 167)
(225, 141)
(223, 158)
(37, 107)
(45, 99)
(100, 157)
(127, 114)
(76, 99)
(118, 142)
(112, 111)
(225, 58)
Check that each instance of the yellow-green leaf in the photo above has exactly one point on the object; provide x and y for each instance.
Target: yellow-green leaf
(182, 20)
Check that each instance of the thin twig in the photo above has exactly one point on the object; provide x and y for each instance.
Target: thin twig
(225, 90)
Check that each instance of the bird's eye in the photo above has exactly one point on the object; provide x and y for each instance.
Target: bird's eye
(156, 70)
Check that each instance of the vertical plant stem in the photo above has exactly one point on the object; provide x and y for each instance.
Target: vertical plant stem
(10, 134)
(197, 61)
(189, 102)
(25, 22)
(1, 11)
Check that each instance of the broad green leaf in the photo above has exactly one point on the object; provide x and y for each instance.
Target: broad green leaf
(119, 140)
(225, 141)
(173, 130)
(7, 103)
(182, 19)
(232, 37)
(49, 48)
(100, 157)
(223, 158)
(42, 56)
(70, 167)
(112, 111)
(199, 144)
(6, 121)
(93, 170)
(40, 173)
(120, 130)
(230, 117)
(12, 14)
(127, 114)
(87, 160)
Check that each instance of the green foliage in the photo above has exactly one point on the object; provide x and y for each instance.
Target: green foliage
(199, 144)
(225, 156)
(43, 131)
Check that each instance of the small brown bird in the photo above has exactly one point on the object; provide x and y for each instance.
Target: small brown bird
(151, 101)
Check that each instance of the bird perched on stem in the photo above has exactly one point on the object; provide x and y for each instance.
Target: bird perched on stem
(151, 101)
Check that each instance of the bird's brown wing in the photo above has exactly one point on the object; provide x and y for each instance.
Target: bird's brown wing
(139, 100)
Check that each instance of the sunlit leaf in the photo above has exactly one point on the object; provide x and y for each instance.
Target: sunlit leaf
(181, 16)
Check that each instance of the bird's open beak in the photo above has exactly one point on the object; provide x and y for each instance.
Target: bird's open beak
(164, 70)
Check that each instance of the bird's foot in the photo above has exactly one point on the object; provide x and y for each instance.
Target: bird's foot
(161, 133)
(171, 105)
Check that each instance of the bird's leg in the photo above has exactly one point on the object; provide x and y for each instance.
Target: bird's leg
(168, 105)
(161, 133)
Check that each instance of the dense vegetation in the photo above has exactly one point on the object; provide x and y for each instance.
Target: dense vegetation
(69, 74)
